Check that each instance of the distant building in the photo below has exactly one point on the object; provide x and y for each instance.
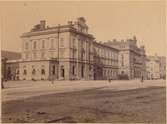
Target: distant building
(156, 67)
(69, 52)
(9, 65)
(131, 58)
(162, 60)
(105, 62)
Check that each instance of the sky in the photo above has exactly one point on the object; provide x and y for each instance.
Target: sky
(106, 20)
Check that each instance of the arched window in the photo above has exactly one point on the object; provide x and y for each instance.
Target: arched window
(43, 71)
(62, 71)
(17, 71)
(33, 71)
(73, 70)
(24, 72)
(53, 69)
(82, 71)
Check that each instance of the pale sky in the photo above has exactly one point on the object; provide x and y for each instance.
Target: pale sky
(106, 21)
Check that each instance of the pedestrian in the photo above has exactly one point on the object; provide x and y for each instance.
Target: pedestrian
(109, 80)
(142, 79)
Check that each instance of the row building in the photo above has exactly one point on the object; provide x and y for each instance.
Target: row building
(131, 58)
(156, 67)
(64, 52)
(69, 52)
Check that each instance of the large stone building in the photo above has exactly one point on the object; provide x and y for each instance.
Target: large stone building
(65, 52)
(131, 58)
(162, 60)
(105, 62)
(156, 67)
(69, 52)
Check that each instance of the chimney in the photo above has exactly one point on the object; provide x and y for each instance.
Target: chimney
(69, 22)
(42, 24)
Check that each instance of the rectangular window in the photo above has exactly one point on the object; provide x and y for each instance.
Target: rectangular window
(25, 72)
(42, 55)
(26, 55)
(73, 70)
(52, 44)
(61, 42)
(35, 45)
(34, 55)
(26, 46)
(43, 44)
(122, 60)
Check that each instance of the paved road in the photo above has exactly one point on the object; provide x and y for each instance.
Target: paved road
(15, 90)
(100, 105)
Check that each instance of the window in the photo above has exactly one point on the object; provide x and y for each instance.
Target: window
(122, 60)
(17, 72)
(73, 44)
(53, 69)
(43, 71)
(52, 44)
(61, 42)
(82, 71)
(43, 44)
(42, 55)
(35, 45)
(62, 71)
(51, 54)
(74, 54)
(34, 55)
(33, 71)
(73, 70)
(26, 55)
(26, 46)
(24, 72)
(62, 51)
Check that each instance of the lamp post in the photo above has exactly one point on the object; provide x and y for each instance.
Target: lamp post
(58, 33)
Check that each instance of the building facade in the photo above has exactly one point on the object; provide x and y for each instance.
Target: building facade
(156, 67)
(65, 52)
(61, 52)
(10, 65)
(162, 60)
(105, 62)
(131, 58)
(69, 52)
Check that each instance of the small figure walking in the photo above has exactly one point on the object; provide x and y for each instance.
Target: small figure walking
(109, 80)
(142, 79)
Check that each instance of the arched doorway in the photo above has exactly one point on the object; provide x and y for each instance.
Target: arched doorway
(62, 72)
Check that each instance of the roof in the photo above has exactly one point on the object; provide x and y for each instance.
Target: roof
(10, 55)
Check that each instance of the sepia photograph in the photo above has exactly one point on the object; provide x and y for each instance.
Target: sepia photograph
(82, 61)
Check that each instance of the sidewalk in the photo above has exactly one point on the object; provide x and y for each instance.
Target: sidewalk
(15, 90)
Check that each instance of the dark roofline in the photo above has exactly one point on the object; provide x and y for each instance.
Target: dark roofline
(104, 45)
